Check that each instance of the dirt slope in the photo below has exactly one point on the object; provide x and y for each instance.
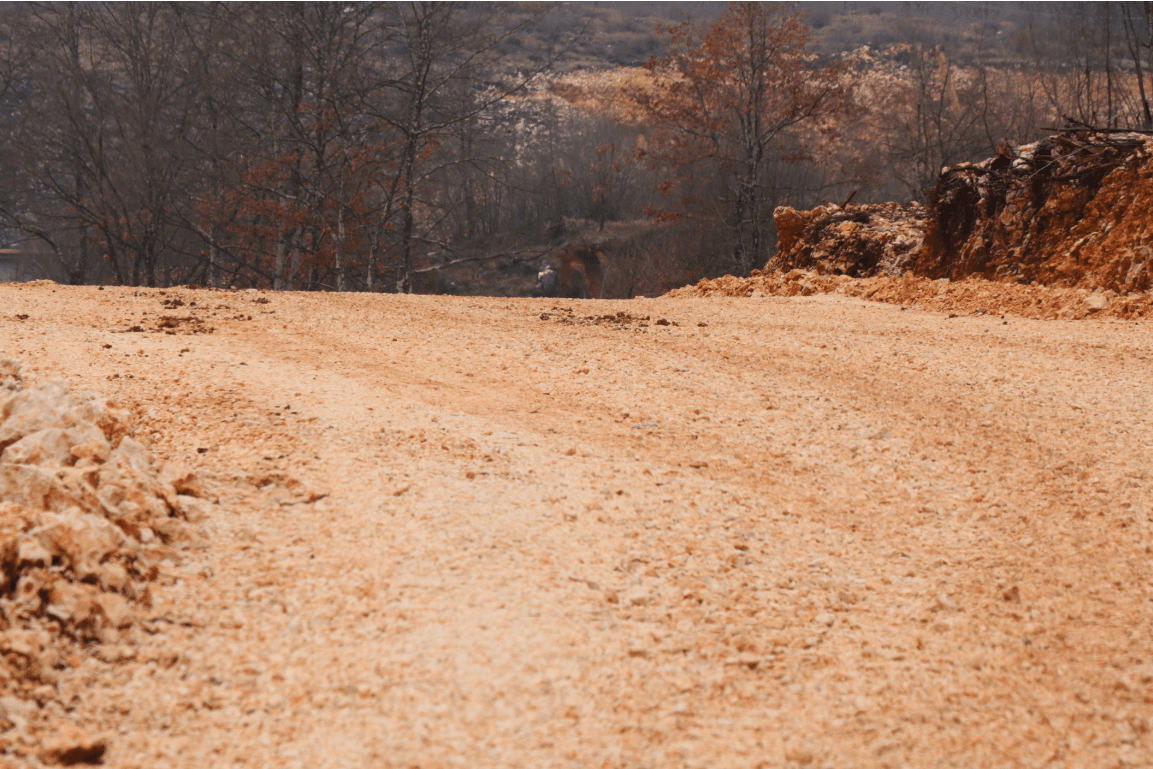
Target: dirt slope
(809, 531)
(964, 297)
(1069, 211)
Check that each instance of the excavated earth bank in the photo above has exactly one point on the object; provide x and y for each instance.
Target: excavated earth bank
(394, 531)
(1069, 211)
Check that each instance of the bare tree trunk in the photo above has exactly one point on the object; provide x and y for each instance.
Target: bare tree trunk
(278, 264)
(1109, 65)
(212, 272)
(293, 262)
(371, 262)
(149, 257)
(1133, 42)
(338, 248)
(404, 283)
(469, 192)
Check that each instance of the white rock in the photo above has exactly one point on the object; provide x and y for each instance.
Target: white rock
(1097, 301)
(43, 447)
(43, 406)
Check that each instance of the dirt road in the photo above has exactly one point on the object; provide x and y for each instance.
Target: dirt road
(496, 533)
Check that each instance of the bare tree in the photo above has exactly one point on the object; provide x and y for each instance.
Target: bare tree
(730, 96)
(1137, 22)
(442, 48)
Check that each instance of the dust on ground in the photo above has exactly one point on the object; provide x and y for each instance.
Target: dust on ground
(805, 530)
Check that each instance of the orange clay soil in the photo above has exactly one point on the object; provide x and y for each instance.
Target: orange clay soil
(972, 296)
(811, 531)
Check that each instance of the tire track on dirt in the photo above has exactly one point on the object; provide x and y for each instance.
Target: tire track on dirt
(832, 583)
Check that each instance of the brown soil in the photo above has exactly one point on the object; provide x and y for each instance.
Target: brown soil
(858, 241)
(790, 531)
(1070, 211)
(966, 297)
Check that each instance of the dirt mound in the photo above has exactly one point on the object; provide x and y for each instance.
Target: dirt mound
(85, 519)
(853, 240)
(773, 283)
(1067, 211)
(971, 296)
(619, 320)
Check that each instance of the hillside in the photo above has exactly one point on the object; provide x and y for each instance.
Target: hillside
(625, 34)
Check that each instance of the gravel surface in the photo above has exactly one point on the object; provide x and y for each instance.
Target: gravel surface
(809, 531)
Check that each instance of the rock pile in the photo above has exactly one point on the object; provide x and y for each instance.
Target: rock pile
(858, 241)
(1071, 210)
(768, 283)
(85, 517)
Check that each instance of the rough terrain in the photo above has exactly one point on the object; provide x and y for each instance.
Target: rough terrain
(973, 296)
(720, 532)
(1069, 211)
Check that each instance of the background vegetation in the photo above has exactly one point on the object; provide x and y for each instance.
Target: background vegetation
(459, 148)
